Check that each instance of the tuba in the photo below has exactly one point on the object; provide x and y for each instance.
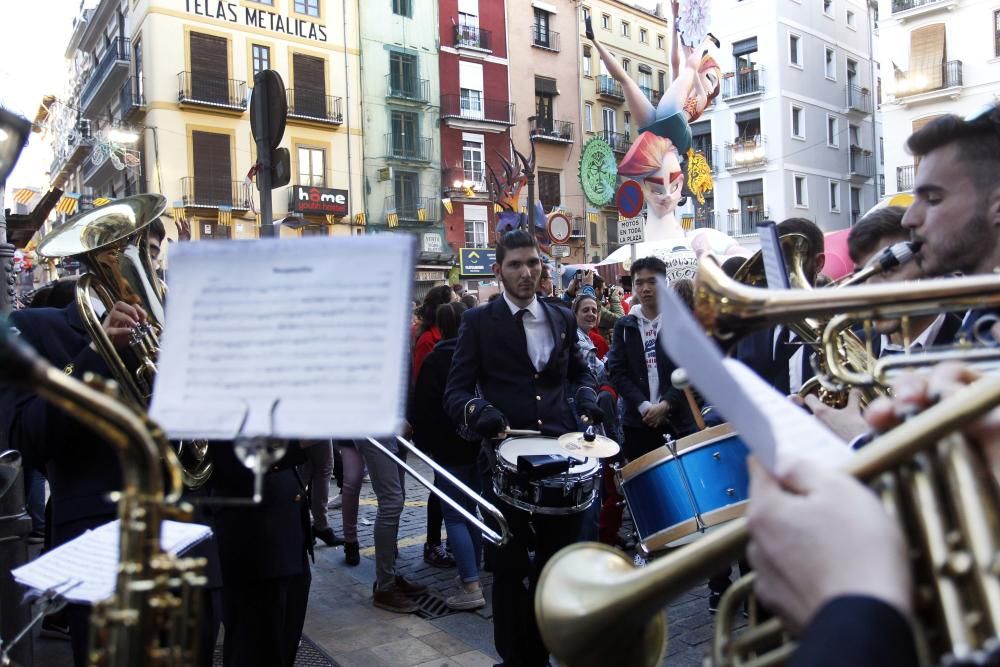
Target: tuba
(112, 242)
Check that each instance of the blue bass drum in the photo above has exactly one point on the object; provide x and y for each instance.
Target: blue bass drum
(675, 499)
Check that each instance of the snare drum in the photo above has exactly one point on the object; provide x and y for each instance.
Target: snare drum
(568, 493)
(675, 499)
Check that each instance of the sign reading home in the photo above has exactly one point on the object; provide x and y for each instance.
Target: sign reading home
(233, 12)
(318, 201)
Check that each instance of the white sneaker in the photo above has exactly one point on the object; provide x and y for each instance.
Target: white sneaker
(465, 601)
(335, 502)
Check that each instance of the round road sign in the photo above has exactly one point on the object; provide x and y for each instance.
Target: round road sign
(629, 199)
(559, 228)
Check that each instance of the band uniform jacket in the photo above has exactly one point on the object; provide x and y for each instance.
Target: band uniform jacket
(856, 631)
(81, 468)
(630, 377)
(492, 353)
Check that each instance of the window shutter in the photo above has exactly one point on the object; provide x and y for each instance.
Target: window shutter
(745, 46)
(545, 86)
(209, 68)
(548, 190)
(751, 188)
(927, 54)
(745, 116)
(212, 168)
(309, 98)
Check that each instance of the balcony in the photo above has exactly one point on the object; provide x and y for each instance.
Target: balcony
(916, 86)
(861, 164)
(859, 100)
(711, 154)
(747, 83)
(213, 193)
(472, 37)
(409, 209)
(217, 92)
(609, 89)
(904, 9)
(652, 95)
(619, 142)
(551, 131)
(476, 113)
(403, 89)
(744, 223)
(464, 185)
(313, 106)
(131, 99)
(407, 149)
(106, 78)
(904, 178)
(746, 153)
(544, 38)
(66, 161)
(706, 219)
(93, 175)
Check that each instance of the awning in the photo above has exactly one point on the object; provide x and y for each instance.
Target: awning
(546, 86)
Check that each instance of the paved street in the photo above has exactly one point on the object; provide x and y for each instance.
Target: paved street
(343, 622)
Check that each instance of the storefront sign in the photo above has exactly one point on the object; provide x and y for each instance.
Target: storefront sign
(318, 201)
(477, 261)
(232, 12)
(432, 242)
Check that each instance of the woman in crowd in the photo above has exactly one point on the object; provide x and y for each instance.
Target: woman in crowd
(434, 433)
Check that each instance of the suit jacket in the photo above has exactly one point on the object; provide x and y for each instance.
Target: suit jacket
(946, 335)
(630, 377)
(492, 355)
(81, 468)
(758, 351)
(856, 631)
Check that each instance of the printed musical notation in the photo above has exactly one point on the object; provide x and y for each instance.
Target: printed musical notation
(316, 326)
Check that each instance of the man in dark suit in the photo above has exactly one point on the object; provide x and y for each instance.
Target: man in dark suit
(640, 370)
(521, 354)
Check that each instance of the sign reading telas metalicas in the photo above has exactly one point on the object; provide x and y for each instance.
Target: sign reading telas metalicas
(232, 12)
(318, 201)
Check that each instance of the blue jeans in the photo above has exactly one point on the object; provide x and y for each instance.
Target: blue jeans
(464, 538)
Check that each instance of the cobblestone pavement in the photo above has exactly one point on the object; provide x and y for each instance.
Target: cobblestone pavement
(343, 622)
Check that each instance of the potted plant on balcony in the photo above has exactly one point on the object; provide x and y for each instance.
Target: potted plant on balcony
(746, 70)
(729, 75)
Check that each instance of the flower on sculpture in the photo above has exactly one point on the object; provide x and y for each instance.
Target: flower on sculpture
(692, 21)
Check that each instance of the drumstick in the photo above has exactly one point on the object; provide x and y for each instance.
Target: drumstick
(679, 379)
(522, 431)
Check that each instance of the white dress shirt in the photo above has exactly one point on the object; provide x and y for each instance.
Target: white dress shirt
(536, 331)
(925, 339)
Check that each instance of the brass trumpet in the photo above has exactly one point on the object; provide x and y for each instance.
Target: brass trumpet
(595, 608)
(112, 242)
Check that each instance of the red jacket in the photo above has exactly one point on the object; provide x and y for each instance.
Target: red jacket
(599, 343)
(425, 344)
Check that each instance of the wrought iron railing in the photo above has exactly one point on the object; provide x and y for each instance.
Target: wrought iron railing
(746, 153)
(477, 108)
(409, 208)
(914, 82)
(904, 5)
(213, 193)
(472, 36)
(859, 99)
(403, 147)
(212, 90)
(744, 223)
(904, 178)
(131, 97)
(619, 142)
(407, 88)
(860, 162)
(546, 129)
(117, 52)
(746, 81)
(306, 103)
(607, 86)
(544, 38)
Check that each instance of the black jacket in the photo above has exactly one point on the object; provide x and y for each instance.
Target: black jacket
(492, 354)
(81, 468)
(630, 378)
(433, 430)
(856, 631)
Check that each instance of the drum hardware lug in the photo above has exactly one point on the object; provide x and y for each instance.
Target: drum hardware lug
(730, 491)
(717, 456)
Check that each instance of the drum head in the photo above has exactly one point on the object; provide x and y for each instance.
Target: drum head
(511, 448)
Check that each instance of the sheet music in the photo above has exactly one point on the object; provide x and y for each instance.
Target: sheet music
(85, 569)
(777, 431)
(319, 325)
(774, 260)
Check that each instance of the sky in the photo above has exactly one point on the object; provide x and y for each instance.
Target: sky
(33, 36)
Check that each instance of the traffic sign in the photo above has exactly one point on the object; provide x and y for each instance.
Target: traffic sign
(560, 250)
(476, 261)
(631, 230)
(559, 227)
(629, 199)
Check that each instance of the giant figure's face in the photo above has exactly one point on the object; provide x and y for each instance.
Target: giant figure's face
(663, 189)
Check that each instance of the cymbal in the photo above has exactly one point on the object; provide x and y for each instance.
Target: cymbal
(576, 444)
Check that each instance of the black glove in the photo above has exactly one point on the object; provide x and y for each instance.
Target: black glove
(590, 29)
(592, 412)
(491, 422)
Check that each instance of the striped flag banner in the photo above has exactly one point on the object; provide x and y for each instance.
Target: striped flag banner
(24, 195)
(68, 203)
(497, 208)
(593, 216)
(360, 219)
(422, 214)
(392, 218)
(101, 201)
(226, 215)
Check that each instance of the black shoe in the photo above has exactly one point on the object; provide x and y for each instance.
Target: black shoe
(713, 602)
(394, 599)
(328, 536)
(352, 555)
(410, 588)
(436, 555)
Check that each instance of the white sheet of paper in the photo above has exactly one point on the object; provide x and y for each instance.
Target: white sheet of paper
(777, 431)
(319, 325)
(774, 259)
(86, 568)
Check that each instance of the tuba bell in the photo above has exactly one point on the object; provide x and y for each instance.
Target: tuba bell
(112, 241)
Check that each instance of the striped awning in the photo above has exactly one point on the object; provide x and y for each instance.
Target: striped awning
(24, 195)
(68, 203)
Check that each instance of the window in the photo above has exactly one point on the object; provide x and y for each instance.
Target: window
(608, 116)
(643, 36)
(798, 123)
(402, 74)
(881, 150)
(832, 132)
(405, 140)
(586, 61)
(661, 78)
(312, 167)
(540, 29)
(628, 126)
(795, 51)
(261, 56)
(855, 204)
(801, 190)
(828, 8)
(626, 65)
(830, 63)
(311, 7)
(475, 232)
(548, 190)
(404, 187)
(543, 109)
(473, 162)
(606, 21)
(401, 7)
(661, 42)
(308, 86)
(471, 103)
(588, 117)
(850, 19)
(626, 29)
(834, 196)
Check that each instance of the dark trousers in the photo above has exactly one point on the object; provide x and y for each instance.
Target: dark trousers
(641, 440)
(515, 629)
(434, 519)
(263, 620)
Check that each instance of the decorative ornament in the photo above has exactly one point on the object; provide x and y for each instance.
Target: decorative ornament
(598, 172)
(699, 175)
(692, 21)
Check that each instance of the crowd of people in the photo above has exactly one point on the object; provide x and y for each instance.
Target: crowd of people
(532, 359)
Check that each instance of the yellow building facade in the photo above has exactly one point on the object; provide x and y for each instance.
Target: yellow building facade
(194, 62)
